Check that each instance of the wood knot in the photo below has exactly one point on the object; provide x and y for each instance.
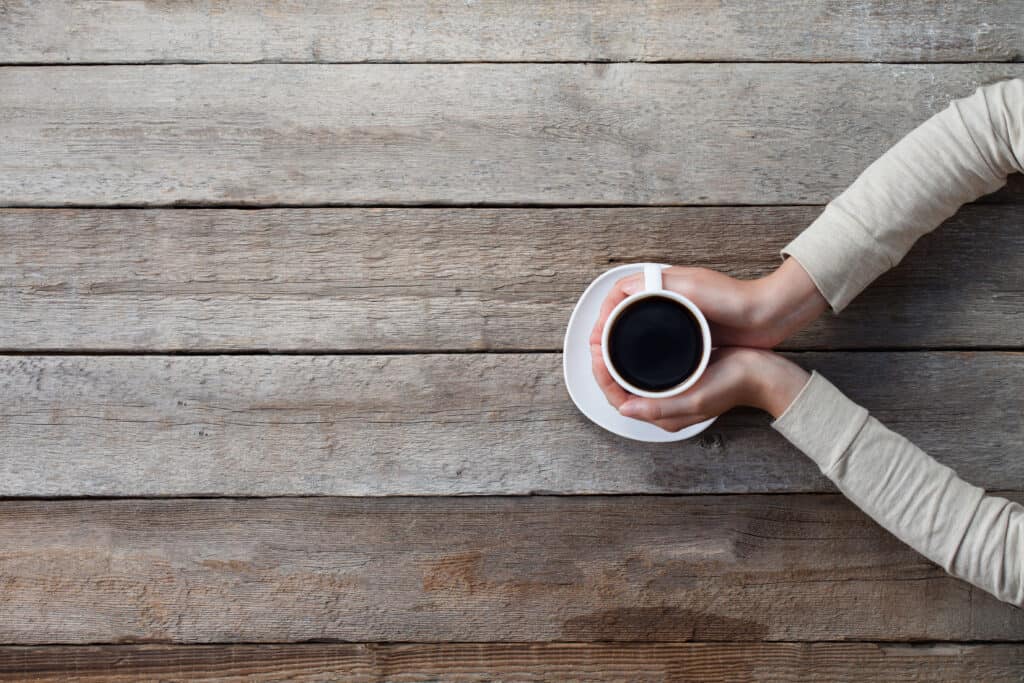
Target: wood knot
(711, 441)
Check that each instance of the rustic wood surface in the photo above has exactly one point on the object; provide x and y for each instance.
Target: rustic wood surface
(648, 568)
(447, 424)
(450, 279)
(480, 662)
(458, 133)
(490, 30)
(436, 183)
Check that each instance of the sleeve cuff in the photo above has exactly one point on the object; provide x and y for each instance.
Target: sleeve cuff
(839, 255)
(822, 422)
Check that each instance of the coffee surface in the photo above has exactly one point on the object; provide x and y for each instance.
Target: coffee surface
(655, 343)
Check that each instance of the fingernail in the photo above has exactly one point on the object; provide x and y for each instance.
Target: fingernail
(629, 409)
(631, 287)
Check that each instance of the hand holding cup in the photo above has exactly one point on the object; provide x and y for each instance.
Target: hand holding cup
(752, 314)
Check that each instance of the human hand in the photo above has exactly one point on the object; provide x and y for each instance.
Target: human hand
(734, 377)
(757, 313)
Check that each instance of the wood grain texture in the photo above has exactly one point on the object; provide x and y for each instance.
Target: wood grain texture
(428, 31)
(479, 662)
(447, 424)
(449, 279)
(458, 133)
(648, 568)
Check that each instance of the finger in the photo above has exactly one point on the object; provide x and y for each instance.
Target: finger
(615, 295)
(683, 280)
(668, 425)
(674, 425)
(611, 300)
(646, 409)
(708, 398)
(631, 284)
(681, 410)
(677, 422)
(615, 394)
(719, 296)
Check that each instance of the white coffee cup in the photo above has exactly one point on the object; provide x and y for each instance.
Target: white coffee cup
(653, 287)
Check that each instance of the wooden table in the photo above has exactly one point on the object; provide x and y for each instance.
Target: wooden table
(282, 292)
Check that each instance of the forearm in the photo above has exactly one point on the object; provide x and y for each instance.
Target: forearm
(963, 152)
(975, 537)
(958, 155)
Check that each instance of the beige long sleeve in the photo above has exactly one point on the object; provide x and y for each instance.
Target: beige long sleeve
(956, 156)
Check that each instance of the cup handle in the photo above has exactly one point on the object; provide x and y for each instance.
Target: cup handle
(652, 277)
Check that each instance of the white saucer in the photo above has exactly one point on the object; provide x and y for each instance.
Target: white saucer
(579, 378)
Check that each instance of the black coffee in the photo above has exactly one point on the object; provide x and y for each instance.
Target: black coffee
(655, 343)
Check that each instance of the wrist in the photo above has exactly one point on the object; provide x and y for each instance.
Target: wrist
(785, 301)
(774, 382)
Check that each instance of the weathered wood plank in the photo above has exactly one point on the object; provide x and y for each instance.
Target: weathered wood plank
(470, 662)
(648, 568)
(428, 31)
(446, 424)
(449, 279)
(462, 133)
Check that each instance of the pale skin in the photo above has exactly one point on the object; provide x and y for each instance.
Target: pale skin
(747, 318)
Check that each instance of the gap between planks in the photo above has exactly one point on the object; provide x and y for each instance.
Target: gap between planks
(675, 661)
(16, 353)
(184, 62)
(185, 497)
(1011, 193)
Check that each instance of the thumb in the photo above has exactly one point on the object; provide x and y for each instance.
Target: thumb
(641, 409)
